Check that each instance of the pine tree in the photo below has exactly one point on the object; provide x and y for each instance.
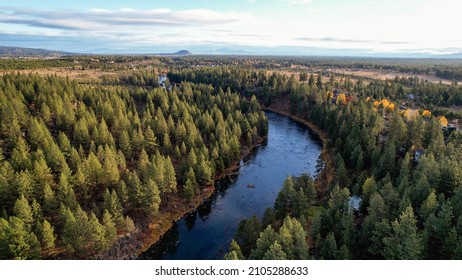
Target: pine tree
(49, 200)
(437, 232)
(20, 157)
(190, 185)
(125, 144)
(110, 172)
(405, 242)
(64, 144)
(110, 228)
(234, 252)
(329, 249)
(65, 193)
(129, 225)
(267, 237)
(81, 133)
(13, 239)
(275, 252)
(112, 204)
(247, 234)
(97, 233)
(23, 211)
(299, 245)
(340, 170)
(368, 188)
(169, 184)
(42, 173)
(150, 140)
(47, 236)
(286, 198)
(150, 199)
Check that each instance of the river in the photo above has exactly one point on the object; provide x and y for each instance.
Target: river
(291, 148)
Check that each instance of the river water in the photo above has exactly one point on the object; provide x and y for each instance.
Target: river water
(291, 148)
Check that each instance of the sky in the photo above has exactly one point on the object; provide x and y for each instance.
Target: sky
(297, 27)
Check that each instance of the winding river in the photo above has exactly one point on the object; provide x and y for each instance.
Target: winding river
(291, 148)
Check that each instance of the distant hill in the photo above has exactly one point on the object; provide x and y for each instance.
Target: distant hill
(183, 52)
(453, 55)
(178, 53)
(29, 52)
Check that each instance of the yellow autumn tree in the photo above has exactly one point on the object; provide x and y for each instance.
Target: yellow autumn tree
(384, 103)
(341, 99)
(410, 114)
(427, 114)
(443, 121)
(376, 103)
(390, 107)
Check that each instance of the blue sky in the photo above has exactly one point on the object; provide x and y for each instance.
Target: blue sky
(318, 27)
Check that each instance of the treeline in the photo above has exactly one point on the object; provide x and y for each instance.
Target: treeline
(78, 62)
(81, 165)
(21, 64)
(140, 78)
(443, 68)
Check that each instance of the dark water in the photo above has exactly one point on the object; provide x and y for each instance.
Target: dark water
(205, 234)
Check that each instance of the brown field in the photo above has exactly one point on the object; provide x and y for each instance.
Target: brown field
(78, 74)
(385, 74)
(354, 74)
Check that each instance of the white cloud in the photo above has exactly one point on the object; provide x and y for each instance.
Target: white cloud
(97, 18)
(384, 26)
(297, 2)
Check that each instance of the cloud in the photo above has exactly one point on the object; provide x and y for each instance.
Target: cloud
(343, 40)
(297, 2)
(127, 18)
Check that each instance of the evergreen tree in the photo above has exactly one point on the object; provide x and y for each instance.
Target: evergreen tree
(234, 252)
(23, 211)
(265, 240)
(405, 242)
(110, 232)
(169, 184)
(247, 234)
(150, 199)
(275, 252)
(329, 249)
(20, 157)
(47, 236)
(110, 172)
(190, 185)
(97, 233)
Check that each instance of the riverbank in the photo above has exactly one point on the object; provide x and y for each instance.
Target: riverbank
(155, 231)
(131, 246)
(166, 220)
(325, 177)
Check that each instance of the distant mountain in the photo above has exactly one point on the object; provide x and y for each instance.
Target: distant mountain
(183, 52)
(178, 53)
(453, 55)
(230, 51)
(29, 52)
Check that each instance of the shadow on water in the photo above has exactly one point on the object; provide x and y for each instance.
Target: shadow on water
(189, 220)
(168, 244)
(206, 233)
